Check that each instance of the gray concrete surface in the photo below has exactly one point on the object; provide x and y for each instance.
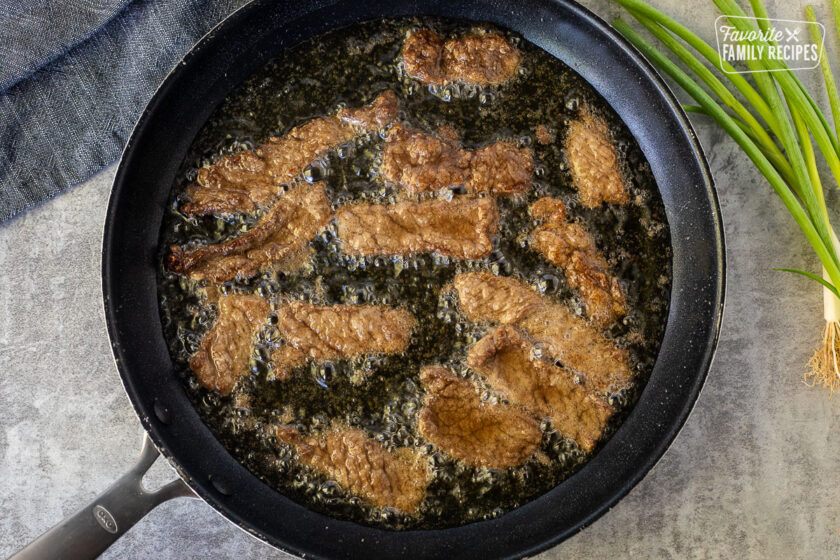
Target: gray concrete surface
(754, 473)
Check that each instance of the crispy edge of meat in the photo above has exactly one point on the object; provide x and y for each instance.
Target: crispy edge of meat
(422, 163)
(593, 162)
(222, 357)
(482, 59)
(462, 228)
(576, 344)
(285, 359)
(568, 245)
(454, 419)
(370, 118)
(363, 466)
(506, 358)
(331, 332)
(283, 233)
(252, 179)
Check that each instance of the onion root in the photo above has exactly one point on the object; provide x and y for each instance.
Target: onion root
(824, 365)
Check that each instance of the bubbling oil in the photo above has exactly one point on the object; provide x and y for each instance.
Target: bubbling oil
(382, 393)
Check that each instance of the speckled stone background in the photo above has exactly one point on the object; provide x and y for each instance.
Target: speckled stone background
(755, 473)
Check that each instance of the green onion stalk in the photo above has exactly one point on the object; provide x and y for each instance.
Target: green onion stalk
(778, 125)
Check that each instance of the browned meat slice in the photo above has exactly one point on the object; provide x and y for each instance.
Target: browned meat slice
(566, 337)
(324, 333)
(477, 59)
(456, 420)
(496, 299)
(593, 162)
(250, 180)
(568, 245)
(363, 466)
(226, 348)
(422, 163)
(579, 347)
(506, 358)
(281, 234)
(461, 228)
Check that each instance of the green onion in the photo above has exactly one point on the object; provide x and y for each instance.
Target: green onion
(717, 88)
(784, 150)
(825, 67)
(835, 7)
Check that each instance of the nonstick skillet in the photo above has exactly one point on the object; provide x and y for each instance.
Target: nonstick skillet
(230, 53)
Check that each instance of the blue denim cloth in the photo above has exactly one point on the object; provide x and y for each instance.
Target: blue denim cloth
(75, 76)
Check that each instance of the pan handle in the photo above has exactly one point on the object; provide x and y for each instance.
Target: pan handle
(87, 533)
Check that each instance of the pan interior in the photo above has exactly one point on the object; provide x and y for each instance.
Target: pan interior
(349, 67)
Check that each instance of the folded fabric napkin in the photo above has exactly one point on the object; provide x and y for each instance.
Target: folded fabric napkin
(74, 78)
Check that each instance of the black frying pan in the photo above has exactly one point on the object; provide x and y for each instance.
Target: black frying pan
(230, 53)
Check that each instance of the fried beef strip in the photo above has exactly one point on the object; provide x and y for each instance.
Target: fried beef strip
(423, 163)
(506, 358)
(363, 466)
(325, 333)
(578, 346)
(593, 162)
(481, 59)
(569, 246)
(497, 299)
(461, 228)
(253, 179)
(282, 233)
(225, 350)
(455, 420)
